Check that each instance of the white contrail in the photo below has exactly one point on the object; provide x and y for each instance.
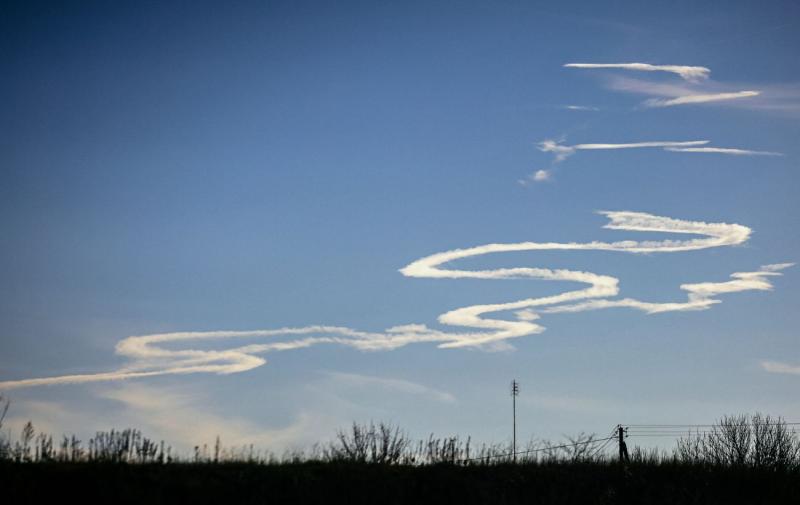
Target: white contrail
(562, 151)
(722, 150)
(686, 72)
(699, 298)
(582, 108)
(147, 356)
(705, 98)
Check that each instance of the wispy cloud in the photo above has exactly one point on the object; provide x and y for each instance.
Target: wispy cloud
(184, 416)
(697, 88)
(645, 87)
(779, 367)
(51, 417)
(700, 295)
(582, 108)
(148, 355)
(567, 403)
(537, 176)
(541, 175)
(784, 98)
(703, 98)
(562, 151)
(689, 73)
(390, 385)
(186, 420)
(722, 150)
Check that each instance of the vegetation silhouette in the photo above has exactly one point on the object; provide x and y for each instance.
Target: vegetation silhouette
(739, 459)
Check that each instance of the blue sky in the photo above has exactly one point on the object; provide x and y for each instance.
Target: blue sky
(171, 167)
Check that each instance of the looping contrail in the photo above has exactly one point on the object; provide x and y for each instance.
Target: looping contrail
(148, 357)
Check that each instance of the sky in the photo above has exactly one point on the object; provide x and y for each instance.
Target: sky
(267, 220)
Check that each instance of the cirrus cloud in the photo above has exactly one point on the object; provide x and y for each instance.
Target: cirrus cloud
(701, 98)
(689, 73)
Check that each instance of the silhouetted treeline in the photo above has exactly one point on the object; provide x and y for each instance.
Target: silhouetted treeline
(745, 441)
(741, 459)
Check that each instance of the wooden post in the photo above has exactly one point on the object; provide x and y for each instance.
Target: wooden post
(623, 448)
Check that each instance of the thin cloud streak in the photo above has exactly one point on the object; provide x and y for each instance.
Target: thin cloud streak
(562, 151)
(147, 357)
(394, 385)
(636, 145)
(778, 367)
(702, 98)
(722, 150)
(689, 73)
(582, 107)
(783, 99)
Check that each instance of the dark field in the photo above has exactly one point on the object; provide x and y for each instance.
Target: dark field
(330, 482)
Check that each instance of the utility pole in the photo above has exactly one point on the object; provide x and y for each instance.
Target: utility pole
(514, 394)
(623, 448)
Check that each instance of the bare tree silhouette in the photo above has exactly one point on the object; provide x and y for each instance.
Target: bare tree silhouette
(743, 440)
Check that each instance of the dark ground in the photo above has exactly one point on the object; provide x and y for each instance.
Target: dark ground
(590, 483)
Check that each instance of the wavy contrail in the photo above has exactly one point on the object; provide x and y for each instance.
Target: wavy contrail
(149, 358)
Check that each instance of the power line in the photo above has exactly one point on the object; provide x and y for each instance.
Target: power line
(600, 449)
(669, 430)
(701, 425)
(610, 438)
(666, 436)
(642, 430)
(674, 434)
(687, 430)
(530, 451)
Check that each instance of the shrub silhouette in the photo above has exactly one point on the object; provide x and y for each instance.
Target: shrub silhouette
(742, 440)
(5, 443)
(741, 459)
(384, 444)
